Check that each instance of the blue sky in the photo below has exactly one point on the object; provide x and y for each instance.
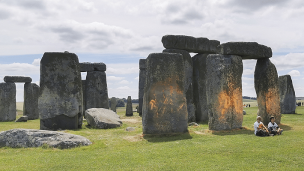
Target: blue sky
(119, 33)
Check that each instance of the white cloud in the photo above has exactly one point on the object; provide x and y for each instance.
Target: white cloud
(123, 69)
(289, 61)
(114, 78)
(36, 62)
(247, 79)
(294, 73)
(18, 69)
(248, 72)
(136, 78)
(124, 82)
(123, 88)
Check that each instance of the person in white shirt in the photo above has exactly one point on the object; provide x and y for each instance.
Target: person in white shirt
(273, 127)
(259, 128)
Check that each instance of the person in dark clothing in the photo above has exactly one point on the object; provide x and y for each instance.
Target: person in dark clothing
(273, 127)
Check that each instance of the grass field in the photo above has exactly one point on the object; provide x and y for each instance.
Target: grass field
(201, 149)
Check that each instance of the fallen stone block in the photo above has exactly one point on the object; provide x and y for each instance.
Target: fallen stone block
(22, 119)
(102, 118)
(24, 138)
(129, 129)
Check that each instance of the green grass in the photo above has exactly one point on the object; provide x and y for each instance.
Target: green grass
(201, 149)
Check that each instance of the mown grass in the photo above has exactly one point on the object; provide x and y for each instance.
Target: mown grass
(201, 149)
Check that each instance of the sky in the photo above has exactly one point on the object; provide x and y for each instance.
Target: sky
(119, 33)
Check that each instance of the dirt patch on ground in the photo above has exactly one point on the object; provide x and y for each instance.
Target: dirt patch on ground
(135, 138)
(200, 133)
(131, 120)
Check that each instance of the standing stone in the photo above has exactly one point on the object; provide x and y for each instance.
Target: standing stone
(266, 84)
(7, 102)
(141, 84)
(199, 87)
(30, 106)
(287, 95)
(113, 104)
(60, 99)
(164, 103)
(188, 81)
(83, 82)
(129, 108)
(224, 91)
(96, 90)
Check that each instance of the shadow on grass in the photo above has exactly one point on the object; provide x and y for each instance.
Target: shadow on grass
(285, 127)
(242, 130)
(166, 138)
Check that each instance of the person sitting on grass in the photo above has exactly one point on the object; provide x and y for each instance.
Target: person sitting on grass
(259, 128)
(273, 127)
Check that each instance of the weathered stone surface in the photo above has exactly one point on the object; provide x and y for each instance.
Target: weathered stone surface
(164, 103)
(266, 84)
(60, 91)
(83, 82)
(141, 84)
(96, 90)
(87, 66)
(213, 45)
(129, 108)
(188, 81)
(25, 138)
(129, 129)
(22, 119)
(199, 87)
(189, 43)
(102, 118)
(142, 64)
(7, 102)
(60, 122)
(244, 112)
(193, 124)
(17, 79)
(247, 50)
(30, 105)
(224, 91)
(287, 95)
(113, 104)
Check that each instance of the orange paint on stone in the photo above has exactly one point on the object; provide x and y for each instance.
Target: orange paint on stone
(229, 101)
(224, 105)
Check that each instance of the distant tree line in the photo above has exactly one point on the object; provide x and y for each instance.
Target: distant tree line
(247, 97)
(121, 102)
